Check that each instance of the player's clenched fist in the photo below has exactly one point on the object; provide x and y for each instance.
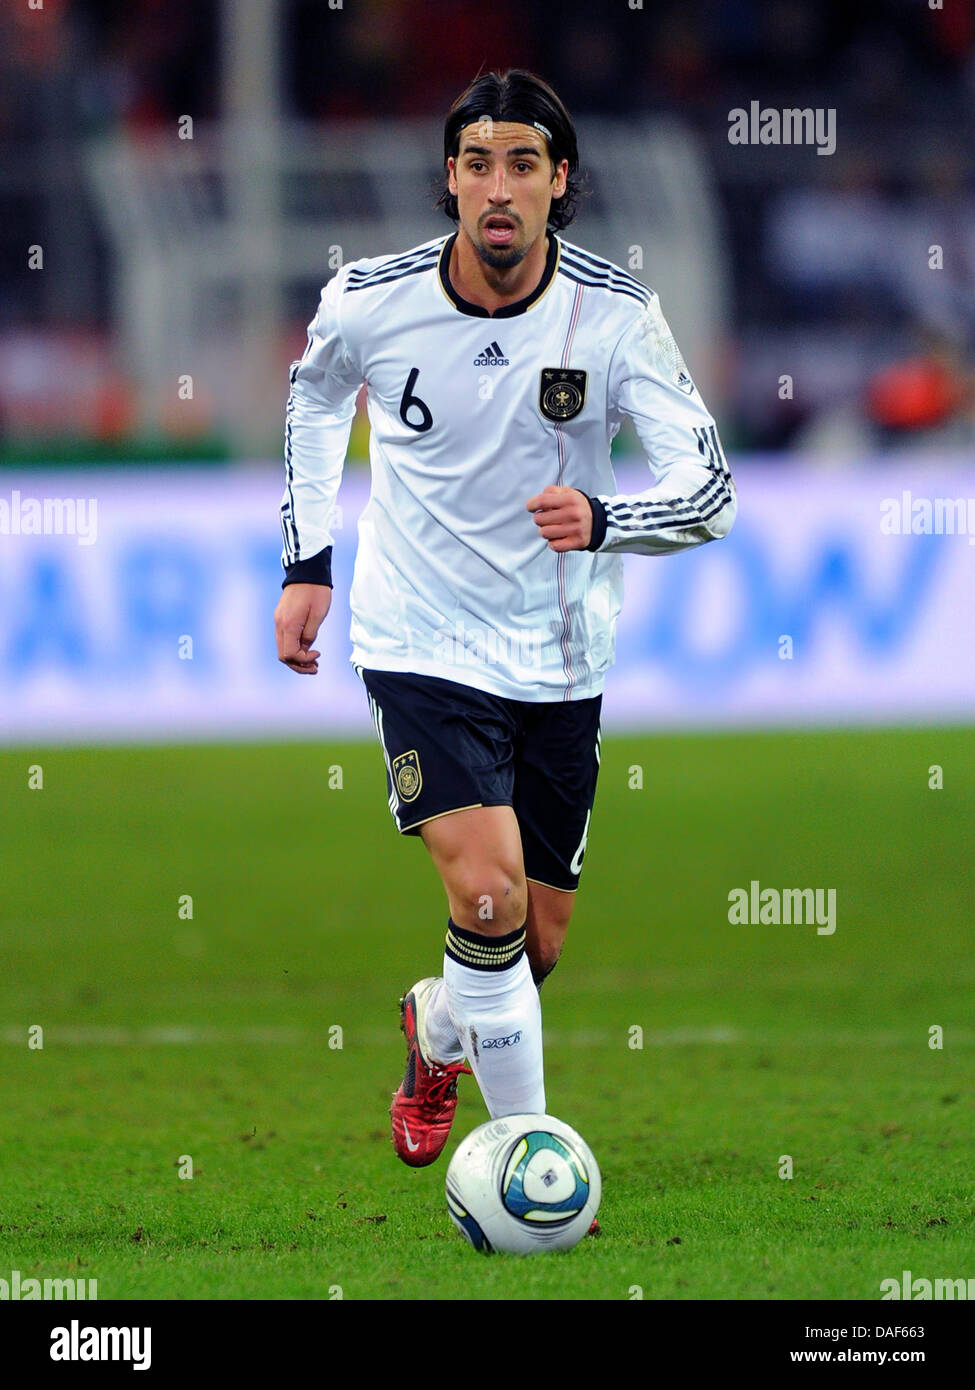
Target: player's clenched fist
(563, 517)
(297, 618)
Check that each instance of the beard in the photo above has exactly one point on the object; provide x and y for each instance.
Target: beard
(500, 257)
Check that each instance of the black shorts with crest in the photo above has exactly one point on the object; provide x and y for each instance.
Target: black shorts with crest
(449, 747)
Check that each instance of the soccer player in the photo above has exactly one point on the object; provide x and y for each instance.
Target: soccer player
(499, 362)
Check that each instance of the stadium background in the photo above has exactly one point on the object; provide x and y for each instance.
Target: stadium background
(192, 173)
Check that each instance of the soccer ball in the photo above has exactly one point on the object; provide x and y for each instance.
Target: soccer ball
(522, 1184)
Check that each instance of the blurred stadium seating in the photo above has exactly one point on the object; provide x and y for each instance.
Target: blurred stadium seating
(769, 260)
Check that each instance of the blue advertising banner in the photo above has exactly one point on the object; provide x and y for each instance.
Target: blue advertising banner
(137, 605)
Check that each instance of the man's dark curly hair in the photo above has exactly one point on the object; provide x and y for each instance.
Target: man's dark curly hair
(520, 97)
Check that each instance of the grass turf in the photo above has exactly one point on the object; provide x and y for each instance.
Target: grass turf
(214, 1036)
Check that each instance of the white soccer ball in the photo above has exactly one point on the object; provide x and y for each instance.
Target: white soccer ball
(523, 1183)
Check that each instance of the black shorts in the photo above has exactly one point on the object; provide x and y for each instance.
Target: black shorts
(449, 747)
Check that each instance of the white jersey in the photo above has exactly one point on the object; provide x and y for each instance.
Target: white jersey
(472, 414)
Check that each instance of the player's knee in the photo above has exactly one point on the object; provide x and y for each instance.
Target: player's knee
(489, 900)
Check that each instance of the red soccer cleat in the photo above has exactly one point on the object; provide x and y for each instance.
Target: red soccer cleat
(423, 1108)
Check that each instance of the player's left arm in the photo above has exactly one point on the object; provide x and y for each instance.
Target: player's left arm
(564, 517)
(693, 497)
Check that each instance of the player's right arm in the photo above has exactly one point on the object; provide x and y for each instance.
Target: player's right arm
(321, 408)
(301, 610)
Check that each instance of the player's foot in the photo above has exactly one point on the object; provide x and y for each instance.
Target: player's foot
(423, 1108)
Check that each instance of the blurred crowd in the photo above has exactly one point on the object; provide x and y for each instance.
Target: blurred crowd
(832, 269)
(145, 61)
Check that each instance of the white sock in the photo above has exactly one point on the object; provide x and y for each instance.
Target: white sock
(445, 1046)
(495, 1010)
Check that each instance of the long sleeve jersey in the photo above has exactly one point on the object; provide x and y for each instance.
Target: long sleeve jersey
(472, 414)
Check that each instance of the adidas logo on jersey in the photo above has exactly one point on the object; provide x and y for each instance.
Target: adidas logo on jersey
(492, 356)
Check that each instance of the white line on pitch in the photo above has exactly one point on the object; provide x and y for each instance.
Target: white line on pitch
(183, 1035)
(271, 1035)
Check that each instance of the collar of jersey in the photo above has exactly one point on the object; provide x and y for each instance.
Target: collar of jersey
(507, 311)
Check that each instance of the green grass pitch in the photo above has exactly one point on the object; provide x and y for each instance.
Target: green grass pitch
(214, 1037)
